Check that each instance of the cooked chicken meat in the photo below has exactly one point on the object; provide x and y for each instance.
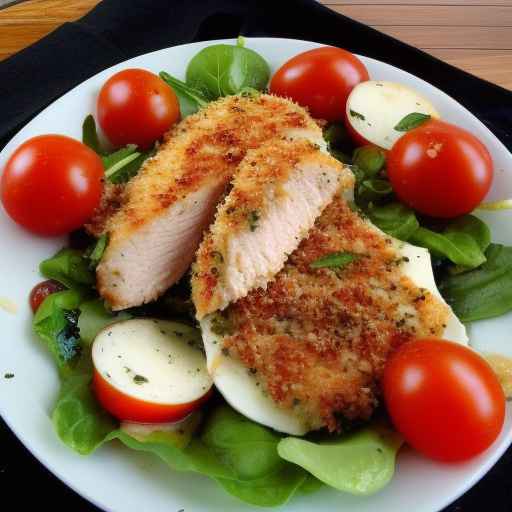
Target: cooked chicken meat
(167, 206)
(278, 192)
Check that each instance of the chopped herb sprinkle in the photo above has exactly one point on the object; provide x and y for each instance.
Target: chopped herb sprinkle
(140, 379)
(8, 375)
(253, 218)
(357, 115)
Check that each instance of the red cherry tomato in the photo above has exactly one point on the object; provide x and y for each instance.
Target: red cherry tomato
(52, 184)
(136, 107)
(320, 79)
(41, 291)
(440, 169)
(444, 399)
(128, 408)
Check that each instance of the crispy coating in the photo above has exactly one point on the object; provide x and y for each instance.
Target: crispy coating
(111, 200)
(317, 339)
(277, 193)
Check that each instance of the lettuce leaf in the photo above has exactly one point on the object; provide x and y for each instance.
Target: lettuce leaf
(361, 463)
(69, 267)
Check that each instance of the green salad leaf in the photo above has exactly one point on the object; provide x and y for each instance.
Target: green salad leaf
(370, 160)
(484, 292)
(190, 99)
(69, 267)
(361, 463)
(223, 69)
(78, 419)
(395, 219)
(94, 317)
(411, 121)
(55, 322)
(95, 252)
(90, 135)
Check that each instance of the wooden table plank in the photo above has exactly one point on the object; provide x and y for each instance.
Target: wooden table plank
(475, 35)
(437, 15)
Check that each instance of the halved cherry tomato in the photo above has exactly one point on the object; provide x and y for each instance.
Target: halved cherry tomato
(52, 184)
(41, 291)
(136, 107)
(128, 408)
(440, 169)
(444, 399)
(320, 79)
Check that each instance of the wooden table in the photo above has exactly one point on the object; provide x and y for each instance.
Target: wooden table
(475, 35)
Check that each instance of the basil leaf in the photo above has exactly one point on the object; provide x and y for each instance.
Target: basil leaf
(361, 463)
(336, 260)
(69, 267)
(90, 135)
(372, 190)
(395, 219)
(222, 70)
(190, 99)
(370, 159)
(458, 247)
(484, 292)
(472, 226)
(411, 121)
(118, 159)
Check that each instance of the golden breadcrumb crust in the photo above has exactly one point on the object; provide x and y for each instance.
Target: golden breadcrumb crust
(317, 339)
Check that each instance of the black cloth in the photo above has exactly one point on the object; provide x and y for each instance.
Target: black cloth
(120, 29)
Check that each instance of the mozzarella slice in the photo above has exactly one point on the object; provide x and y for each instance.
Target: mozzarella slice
(152, 360)
(374, 108)
(240, 388)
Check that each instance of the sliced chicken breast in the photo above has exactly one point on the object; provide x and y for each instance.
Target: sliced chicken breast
(154, 235)
(309, 351)
(278, 192)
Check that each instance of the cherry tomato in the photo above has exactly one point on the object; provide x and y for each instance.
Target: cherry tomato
(136, 107)
(52, 184)
(444, 399)
(41, 291)
(320, 79)
(440, 169)
(127, 408)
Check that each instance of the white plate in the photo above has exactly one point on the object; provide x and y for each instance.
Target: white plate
(118, 479)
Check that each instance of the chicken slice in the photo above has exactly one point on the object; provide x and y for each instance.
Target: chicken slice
(278, 191)
(166, 207)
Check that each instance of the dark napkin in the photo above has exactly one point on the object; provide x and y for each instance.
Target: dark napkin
(117, 30)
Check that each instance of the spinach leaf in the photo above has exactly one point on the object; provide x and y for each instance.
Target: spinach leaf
(372, 190)
(238, 453)
(68, 267)
(472, 226)
(222, 70)
(191, 100)
(55, 323)
(336, 260)
(458, 246)
(94, 317)
(95, 252)
(78, 419)
(411, 121)
(361, 463)
(90, 135)
(395, 219)
(484, 292)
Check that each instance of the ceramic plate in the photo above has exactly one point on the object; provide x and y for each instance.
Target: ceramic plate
(118, 479)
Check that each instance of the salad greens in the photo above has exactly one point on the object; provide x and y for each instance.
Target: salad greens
(69, 267)
(368, 457)
(411, 121)
(190, 99)
(223, 69)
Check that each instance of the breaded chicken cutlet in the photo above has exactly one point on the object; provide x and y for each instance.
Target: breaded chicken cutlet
(317, 339)
(166, 207)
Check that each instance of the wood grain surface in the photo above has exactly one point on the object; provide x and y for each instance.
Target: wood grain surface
(475, 35)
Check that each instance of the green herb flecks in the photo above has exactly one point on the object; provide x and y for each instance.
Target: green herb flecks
(357, 115)
(8, 375)
(140, 379)
(335, 260)
(253, 218)
(411, 121)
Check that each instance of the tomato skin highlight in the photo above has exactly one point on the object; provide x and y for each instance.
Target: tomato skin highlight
(41, 291)
(136, 107)
(321, 80)
(126, 408)
(444, 399)
(52, 184)
(440, 170)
